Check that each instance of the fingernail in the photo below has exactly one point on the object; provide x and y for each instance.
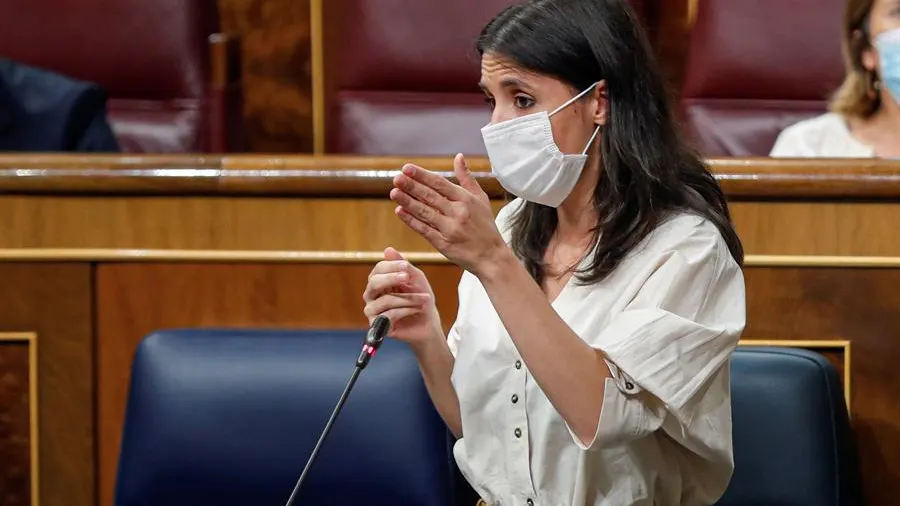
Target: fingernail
(402, 276)
(408, 170)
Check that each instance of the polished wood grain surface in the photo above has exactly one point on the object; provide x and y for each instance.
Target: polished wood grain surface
(299, 203)
(277, 76)
(323, 176)
(55, 301)
(135, 299)
(15, 434)
(369, 224)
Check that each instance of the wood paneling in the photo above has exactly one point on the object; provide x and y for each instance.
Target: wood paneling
(55, 302)
(361, 177)
(860, 305)
(204, 223)
(818, 228)
(277, 77)
(136, 299)
(794, 207)
(285, 224)
(15, 430)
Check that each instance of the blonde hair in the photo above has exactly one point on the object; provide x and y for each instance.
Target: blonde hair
(857, 96)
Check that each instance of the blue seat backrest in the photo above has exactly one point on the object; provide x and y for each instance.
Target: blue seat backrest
(792, 439)
(229, 417)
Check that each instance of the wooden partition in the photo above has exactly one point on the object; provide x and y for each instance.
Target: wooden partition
(96, 252)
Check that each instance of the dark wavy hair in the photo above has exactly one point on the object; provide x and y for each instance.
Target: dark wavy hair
(648, 170)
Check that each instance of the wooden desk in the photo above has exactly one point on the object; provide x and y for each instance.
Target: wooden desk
(97, 252)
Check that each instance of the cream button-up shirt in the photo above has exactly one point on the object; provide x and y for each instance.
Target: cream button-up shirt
(667, 320)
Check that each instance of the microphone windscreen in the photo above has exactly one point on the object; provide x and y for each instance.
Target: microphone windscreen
(380, 327)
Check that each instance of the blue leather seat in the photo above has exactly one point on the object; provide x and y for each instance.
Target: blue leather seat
(793, 445)
(229, 417)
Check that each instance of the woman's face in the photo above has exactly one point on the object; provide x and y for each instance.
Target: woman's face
(513, 92)
(885, 15)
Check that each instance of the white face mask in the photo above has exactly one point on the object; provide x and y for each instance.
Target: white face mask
(526, 160)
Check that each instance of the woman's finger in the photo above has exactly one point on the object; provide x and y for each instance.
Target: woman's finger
(422, 193)
(381, 283)
(386, 266)
(391, 301)
(434, 181)
(430, 234)
(396, 315)
(421, 211)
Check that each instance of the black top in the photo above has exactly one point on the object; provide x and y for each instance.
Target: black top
(42, 111)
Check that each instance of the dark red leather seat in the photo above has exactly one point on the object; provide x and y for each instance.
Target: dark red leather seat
(404, 84)
(151, 57)
(756, 67)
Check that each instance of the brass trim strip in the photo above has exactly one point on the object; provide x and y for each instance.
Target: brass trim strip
(30, 338)
(842, 345)
(187, 255)
(317, 61)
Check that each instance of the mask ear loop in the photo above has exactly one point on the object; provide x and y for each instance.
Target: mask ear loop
(573, 99)
(593, 138)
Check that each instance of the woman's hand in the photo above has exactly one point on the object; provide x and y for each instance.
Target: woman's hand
(456, 219)
(400, 291)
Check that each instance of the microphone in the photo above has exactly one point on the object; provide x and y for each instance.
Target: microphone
(374, 338)
(372, 342)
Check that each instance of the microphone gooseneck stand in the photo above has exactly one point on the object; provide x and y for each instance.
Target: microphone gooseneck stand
(374, 338)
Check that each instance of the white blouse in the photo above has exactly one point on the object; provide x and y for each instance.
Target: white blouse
(826, 136)
(667, 319)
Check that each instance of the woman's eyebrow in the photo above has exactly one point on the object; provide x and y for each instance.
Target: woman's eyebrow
(507, 82)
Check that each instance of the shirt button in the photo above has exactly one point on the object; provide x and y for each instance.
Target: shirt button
(518, 432)
(518, 364)
(629, 386)
(529, 502)
(515, 398)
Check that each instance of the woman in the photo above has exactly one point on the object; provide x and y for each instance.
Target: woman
(864, 120)
(589, 360)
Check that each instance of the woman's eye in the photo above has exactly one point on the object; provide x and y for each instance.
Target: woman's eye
(523, 102)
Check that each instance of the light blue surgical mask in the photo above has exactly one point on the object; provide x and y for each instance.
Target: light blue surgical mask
(888, 46)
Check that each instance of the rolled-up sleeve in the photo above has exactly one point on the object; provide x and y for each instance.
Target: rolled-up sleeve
(670, 341)
(455, 335)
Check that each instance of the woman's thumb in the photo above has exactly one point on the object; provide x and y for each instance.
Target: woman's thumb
(461, 170)
(392, 254)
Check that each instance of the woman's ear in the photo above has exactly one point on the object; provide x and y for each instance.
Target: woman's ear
(869, 59)
(601, 111)
(860, 45)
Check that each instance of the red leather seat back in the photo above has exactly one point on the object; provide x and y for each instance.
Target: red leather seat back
(402, 76)
(151, 57)
(758, 66)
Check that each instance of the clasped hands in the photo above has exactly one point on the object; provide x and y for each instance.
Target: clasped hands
(455, 218)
